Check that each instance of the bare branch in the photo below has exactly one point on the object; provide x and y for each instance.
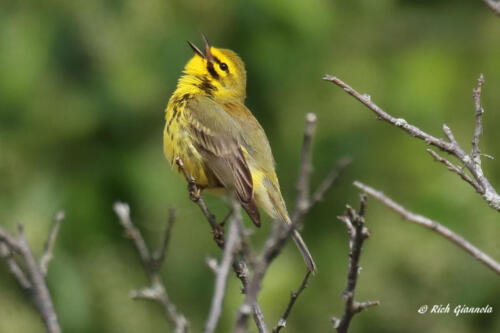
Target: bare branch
(494, 5)
(240, 267)
(222, 271)
(358, 233)
(330, 179)
(432, 225)
(472, 162)
(453, 168)
(33, 280)
(49, 244)
(293, 297)
(272, 248)
(304, 202)
(195, 196)
(6, 253)
(303, 187)
(9, 240)
(478, 128)
(156, 291)
(159, 256)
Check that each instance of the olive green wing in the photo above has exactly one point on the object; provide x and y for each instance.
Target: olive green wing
(217, 138)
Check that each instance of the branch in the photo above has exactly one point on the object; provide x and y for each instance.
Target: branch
(304, 202)
(222, 271)
(33, 279)
(432, 225)
(156, 291)
(293, 297)
(159, 255)
(478, 128)
(7, 254)
(49, 244)
(494, 5)
(273, 246)
(358, 233)
(453, 168)
(240, 267)
(195, 196)
(472, 161)
(303, 187)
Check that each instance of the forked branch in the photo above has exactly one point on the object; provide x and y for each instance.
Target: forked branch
(31, 274)
(156, 291)
(358, 233)
(470, 161)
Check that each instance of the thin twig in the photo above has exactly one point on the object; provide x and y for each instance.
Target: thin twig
(159, 256)
(471, 161)
(43, 299)
(293, 297)
(358, 233)
(432, 225)
(305, 202)
(49, 244)
(6, 253)
(494, 5)
(33, 280)
(222, 271)
(478, 128)
(330, 179)
(303, 187)
(453, 168)
(156, 291)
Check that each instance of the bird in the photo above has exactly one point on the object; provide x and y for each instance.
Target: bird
(221, 144)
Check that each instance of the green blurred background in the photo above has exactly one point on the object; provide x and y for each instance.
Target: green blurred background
(83, 86)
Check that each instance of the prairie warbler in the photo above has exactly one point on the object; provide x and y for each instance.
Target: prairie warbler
(222, 145)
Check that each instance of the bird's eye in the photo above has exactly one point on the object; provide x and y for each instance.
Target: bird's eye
(223, 66)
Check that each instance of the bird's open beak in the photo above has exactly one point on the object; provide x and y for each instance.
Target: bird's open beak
(208, 55)
(196, 50)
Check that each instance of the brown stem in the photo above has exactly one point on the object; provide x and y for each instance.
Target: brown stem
(432, 225)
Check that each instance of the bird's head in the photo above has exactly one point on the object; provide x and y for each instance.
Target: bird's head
(220, 72)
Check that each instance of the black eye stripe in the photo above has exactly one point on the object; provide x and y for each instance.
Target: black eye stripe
(212, 70)
(222, 65)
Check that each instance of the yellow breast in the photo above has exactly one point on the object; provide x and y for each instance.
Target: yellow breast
(177, 143)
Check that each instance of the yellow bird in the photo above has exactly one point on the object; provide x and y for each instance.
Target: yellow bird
(222, 145)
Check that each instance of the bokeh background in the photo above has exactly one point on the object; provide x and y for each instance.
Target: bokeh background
(83, 86)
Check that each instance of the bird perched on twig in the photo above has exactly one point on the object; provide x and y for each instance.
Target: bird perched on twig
(222, 145)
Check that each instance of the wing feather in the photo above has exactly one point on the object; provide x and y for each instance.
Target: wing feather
(216, 136)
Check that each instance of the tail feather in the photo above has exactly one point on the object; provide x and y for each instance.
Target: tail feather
(301, 245)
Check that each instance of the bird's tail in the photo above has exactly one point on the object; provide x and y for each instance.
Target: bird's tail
(311, 265)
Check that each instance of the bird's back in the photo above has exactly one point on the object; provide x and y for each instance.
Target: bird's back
(261, 162)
